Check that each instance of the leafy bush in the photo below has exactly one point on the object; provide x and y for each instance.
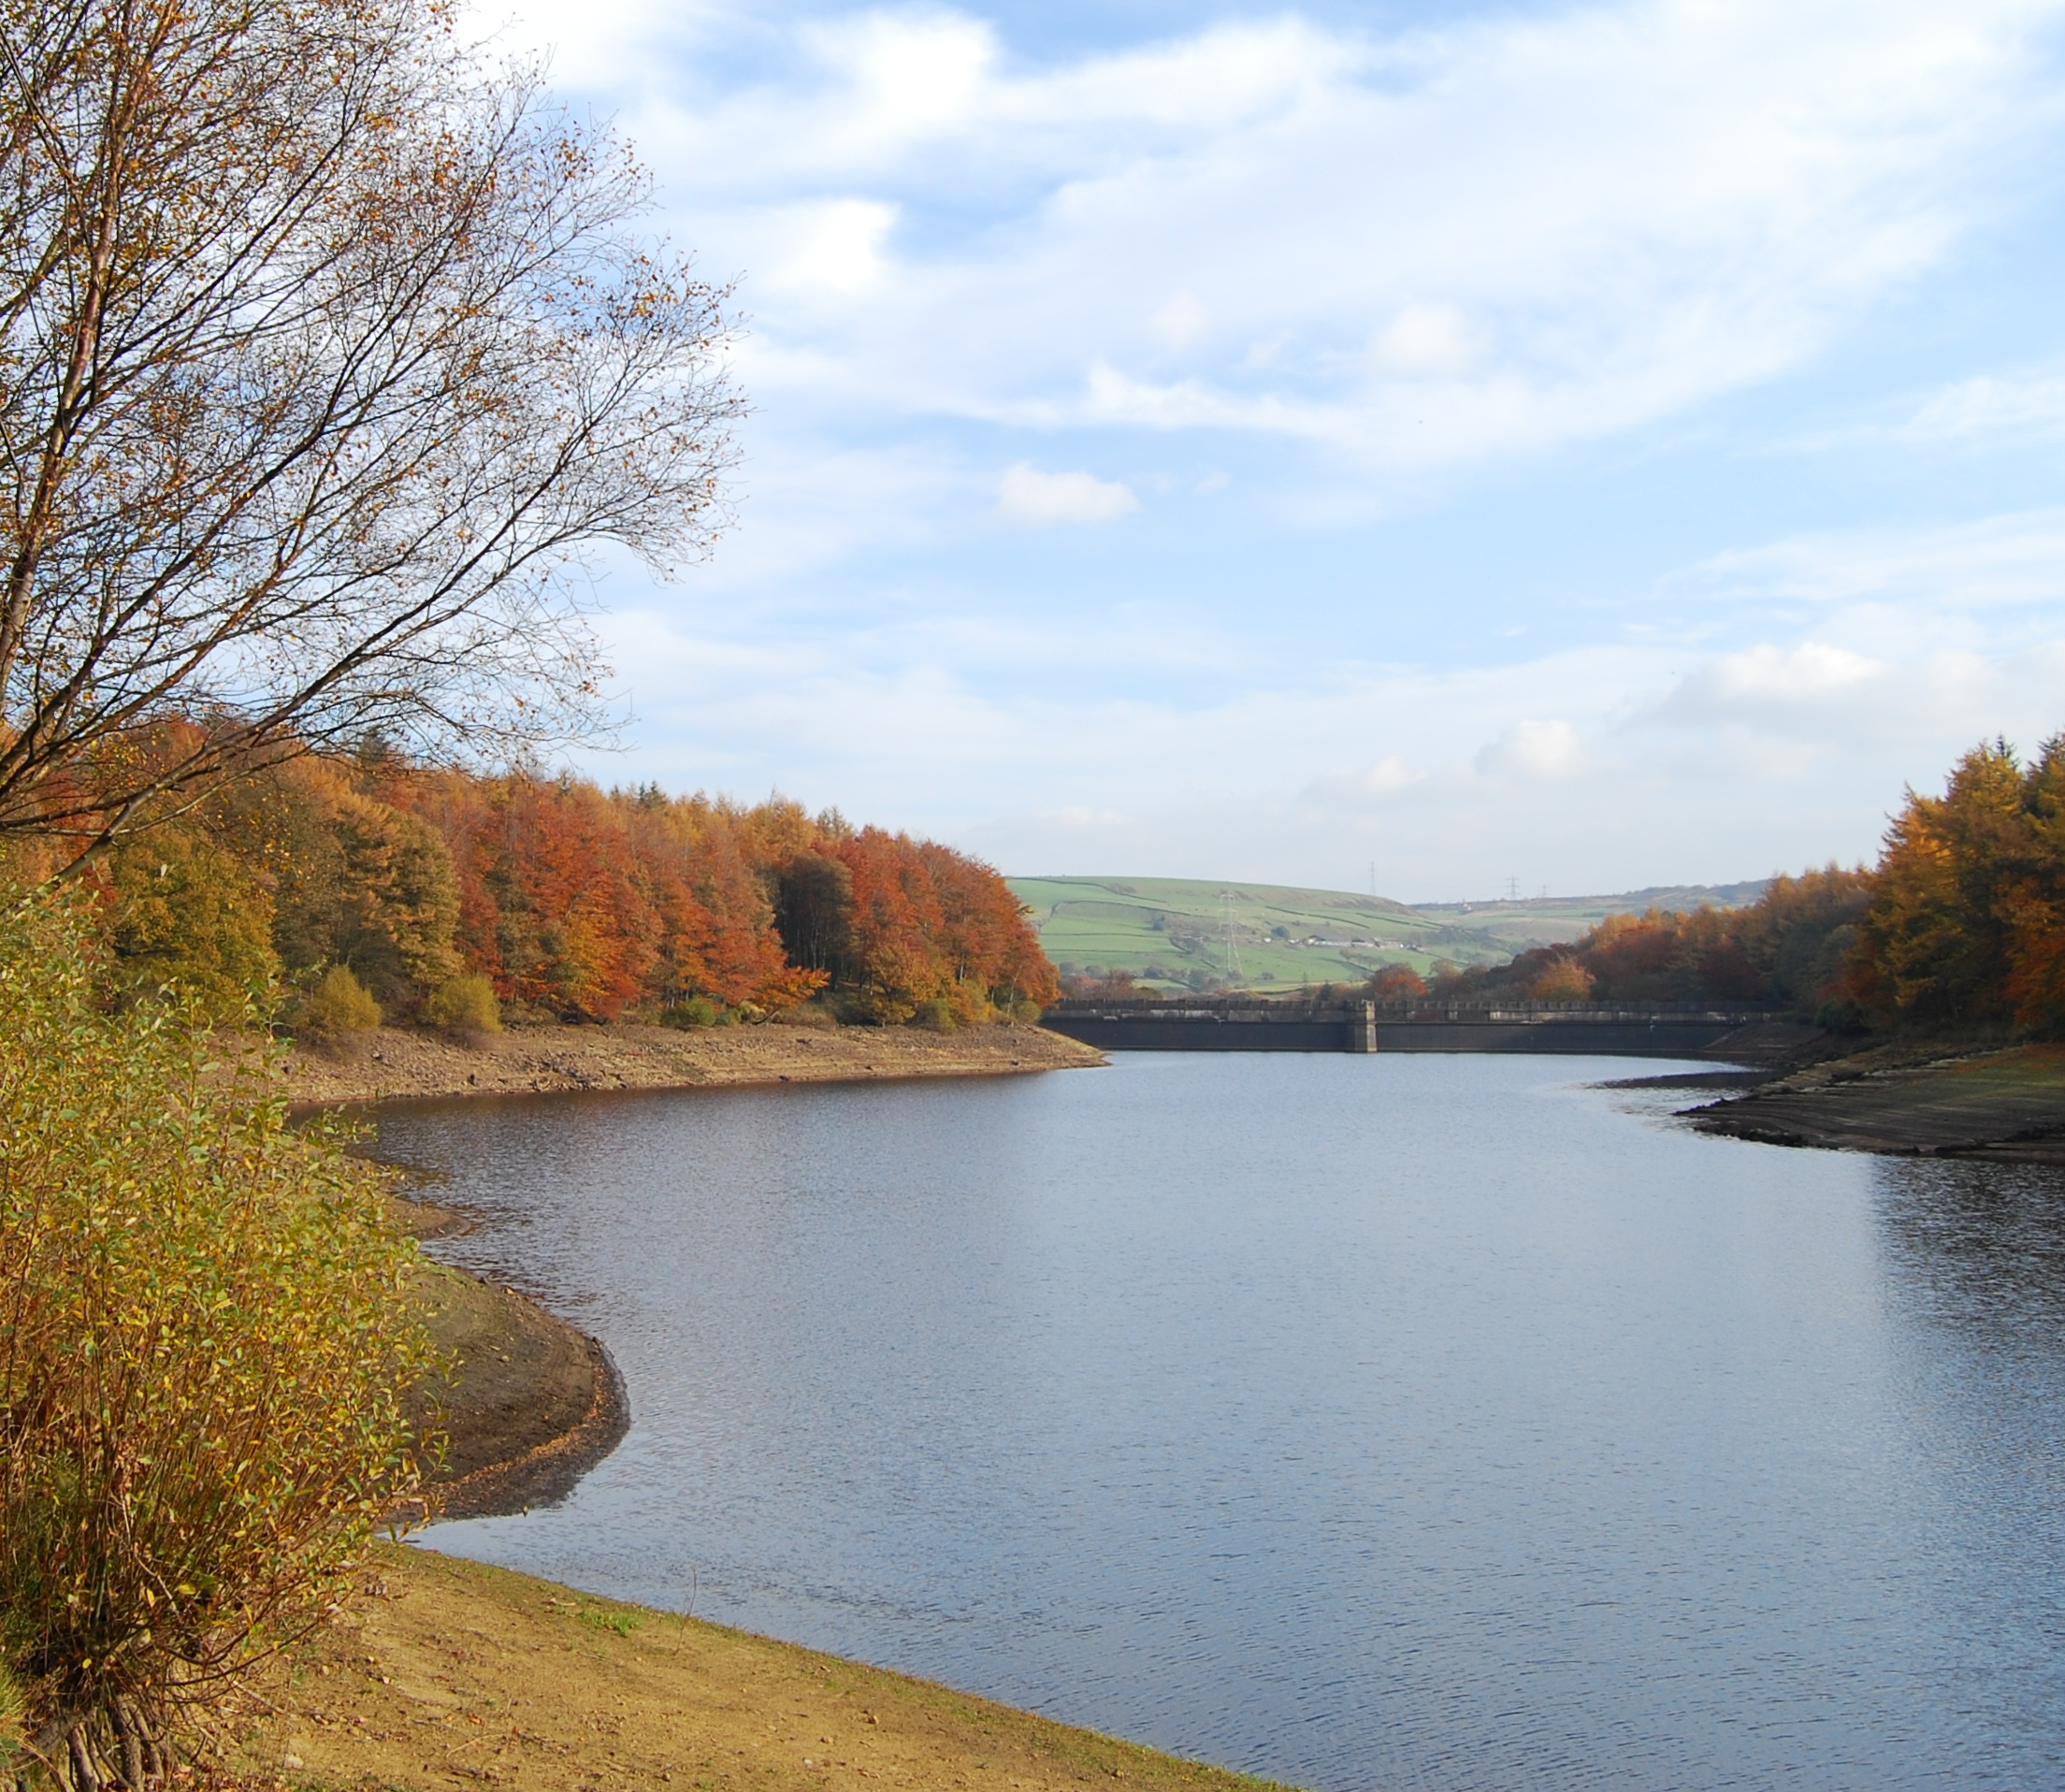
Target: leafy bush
(186, 915)
(464, 1004)
(697, 1011)
(337, 1005)
(813, 1015)
(203, 1341)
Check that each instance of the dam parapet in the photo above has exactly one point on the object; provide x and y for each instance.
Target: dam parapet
(1254, 1023)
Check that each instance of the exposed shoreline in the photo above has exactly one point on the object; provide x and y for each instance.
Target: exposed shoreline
(395, 1065)
(1910, 1099)
(530, 1404)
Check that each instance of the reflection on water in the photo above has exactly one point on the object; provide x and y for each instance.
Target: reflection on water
(1362, 1421)
(1977, 1244)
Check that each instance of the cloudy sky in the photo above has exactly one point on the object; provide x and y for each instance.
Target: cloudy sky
(1597, 445)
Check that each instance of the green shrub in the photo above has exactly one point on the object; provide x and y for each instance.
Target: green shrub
(337, 1005)
(464, 1004)
(937, 1015)
(814, 1015)
(697, 1011)
(203, 1347)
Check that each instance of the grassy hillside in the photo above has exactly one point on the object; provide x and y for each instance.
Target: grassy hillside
(1176, 931)
(1526, 922)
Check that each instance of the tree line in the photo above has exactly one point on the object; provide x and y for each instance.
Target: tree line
(1960, 925)
(443, 894)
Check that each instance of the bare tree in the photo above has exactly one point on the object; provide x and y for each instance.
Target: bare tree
(327, 349)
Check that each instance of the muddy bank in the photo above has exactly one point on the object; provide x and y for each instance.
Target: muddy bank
(1910, 1099)
(393, 1065)
(527, 1405)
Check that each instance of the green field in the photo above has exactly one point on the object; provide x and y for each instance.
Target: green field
(1175, 933)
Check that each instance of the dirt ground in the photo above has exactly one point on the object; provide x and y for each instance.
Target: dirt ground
(391, 1064)
(446, 1673)
(1912, 1099)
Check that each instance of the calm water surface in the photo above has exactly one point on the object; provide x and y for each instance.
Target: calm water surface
(1362, 1422)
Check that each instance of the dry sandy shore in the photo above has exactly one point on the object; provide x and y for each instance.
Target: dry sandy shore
(445, 1673)
(390, 1064)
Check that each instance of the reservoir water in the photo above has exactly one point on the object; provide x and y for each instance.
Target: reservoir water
(1362, 1422)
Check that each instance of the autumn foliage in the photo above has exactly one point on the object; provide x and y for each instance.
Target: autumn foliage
(203, 1341)
(1967, 925)
(1792, 950)
(571, 902)
(1961, 925)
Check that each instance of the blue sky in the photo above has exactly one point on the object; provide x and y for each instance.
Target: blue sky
(1596, 445)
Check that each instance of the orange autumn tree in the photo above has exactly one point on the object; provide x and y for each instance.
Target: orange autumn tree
(585, 904)
(1968, 925)
(932, 935)
(582, 904)
(575, 903)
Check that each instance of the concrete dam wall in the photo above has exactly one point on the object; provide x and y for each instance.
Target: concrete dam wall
(1253, 1025)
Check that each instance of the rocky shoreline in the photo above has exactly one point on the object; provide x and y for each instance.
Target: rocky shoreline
(396, 1065)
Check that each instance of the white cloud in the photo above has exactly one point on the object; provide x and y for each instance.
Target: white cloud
(1426, 338)
(1367, 789)
(2010, 561)
(1810, 673)
(1182, 322)
(1026, 494)
(1990, 407)
(1623, 209)
(1388, 776)
(1542, 751)
(835, 245)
